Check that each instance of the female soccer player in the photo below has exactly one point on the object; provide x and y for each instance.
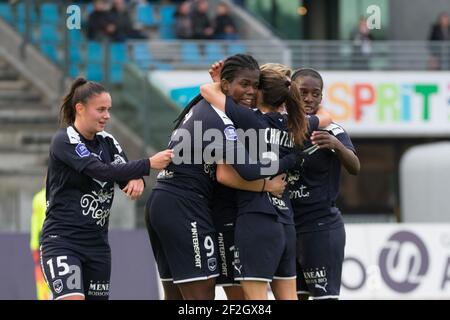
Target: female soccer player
(238, 76)
(266, 252)
(84, 164)
(319, 225)
(183, 241)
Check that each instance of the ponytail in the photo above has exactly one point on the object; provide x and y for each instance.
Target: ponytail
(297, 124)
(276, 90)
(80, 91)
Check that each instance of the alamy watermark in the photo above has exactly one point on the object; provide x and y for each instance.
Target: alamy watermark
(212, 145)
(373, 20)
(73, 20)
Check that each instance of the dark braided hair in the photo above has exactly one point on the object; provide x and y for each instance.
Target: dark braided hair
(233, 64)
(307, 72)
(80, 91)
(231, 67)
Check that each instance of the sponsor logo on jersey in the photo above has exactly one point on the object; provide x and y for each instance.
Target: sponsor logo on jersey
(237, 262)
(334, 129)
(210, 169)
(98, 205)
(293, 177)
(299, 193)
(279, 203)
(82, 151)
(118, 159)
(223, 257)
(98, 288)
(196, 246)
(316, 277)
(165, 174)
(98, 156)
(230, 133)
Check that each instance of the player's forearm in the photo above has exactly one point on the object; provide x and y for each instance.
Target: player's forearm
(119, 172)
(324, 117)
(227, 176)
(212, 93)
(348, 159)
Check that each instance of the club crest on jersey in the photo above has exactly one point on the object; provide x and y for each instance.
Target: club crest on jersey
(118, 159)
(82, 151)
(58, 286)
(230, 133)
(212, 264)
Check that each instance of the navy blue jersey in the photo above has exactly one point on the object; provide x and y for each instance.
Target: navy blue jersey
(78, 206)
(206, 132)
(224, 207)
(273, 132)
(195, 175)
(314, 187)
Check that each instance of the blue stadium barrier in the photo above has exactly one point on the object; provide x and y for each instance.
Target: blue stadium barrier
(142, 55)
(190, 53)
(235, 48)
(214, 52)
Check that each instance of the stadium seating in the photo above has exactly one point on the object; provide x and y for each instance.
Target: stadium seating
(145, 15)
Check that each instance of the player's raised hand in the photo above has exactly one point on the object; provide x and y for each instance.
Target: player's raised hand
(324, 140)
(215, 70)
(161, 159)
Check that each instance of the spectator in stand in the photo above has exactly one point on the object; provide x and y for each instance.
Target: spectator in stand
(124, 25)
(100, 23)
(225, 29)
(362, 45)
(440, 31)
(201, 25)
(183, 22)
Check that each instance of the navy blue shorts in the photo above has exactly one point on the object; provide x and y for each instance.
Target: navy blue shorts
(265, 248)
(225, 243)
(69, 270)
(320, 256)
(182, 236)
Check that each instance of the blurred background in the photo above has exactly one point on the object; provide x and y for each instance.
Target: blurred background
(385, 66)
